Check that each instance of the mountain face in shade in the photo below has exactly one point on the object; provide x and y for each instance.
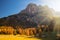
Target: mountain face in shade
(31, 16)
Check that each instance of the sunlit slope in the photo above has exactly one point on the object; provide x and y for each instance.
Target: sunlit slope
(57, 23)
(16, 37)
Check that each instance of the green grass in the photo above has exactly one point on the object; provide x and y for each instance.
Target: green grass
(51, 36)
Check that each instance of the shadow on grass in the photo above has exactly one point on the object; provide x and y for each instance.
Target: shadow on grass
(51, 36)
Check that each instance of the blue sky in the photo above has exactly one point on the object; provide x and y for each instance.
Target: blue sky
(10, 7)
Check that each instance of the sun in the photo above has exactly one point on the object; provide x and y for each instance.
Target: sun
(55, 4)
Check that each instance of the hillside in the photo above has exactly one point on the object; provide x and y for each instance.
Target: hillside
(31, 16)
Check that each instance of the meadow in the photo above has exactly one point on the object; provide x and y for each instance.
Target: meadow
(16, 37)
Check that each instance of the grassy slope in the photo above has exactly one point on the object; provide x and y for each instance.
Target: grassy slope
(16, 37)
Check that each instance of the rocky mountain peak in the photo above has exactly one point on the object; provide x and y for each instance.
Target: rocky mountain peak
(32, 8)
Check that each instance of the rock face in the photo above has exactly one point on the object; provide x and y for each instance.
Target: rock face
(32, 8)
(29, 17)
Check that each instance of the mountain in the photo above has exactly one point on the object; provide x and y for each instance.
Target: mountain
(31, 16)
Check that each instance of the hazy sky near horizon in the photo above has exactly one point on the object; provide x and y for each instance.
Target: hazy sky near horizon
(10, 7)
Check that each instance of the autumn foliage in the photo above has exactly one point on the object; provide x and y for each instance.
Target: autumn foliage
(6, 30)
(24, 31)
